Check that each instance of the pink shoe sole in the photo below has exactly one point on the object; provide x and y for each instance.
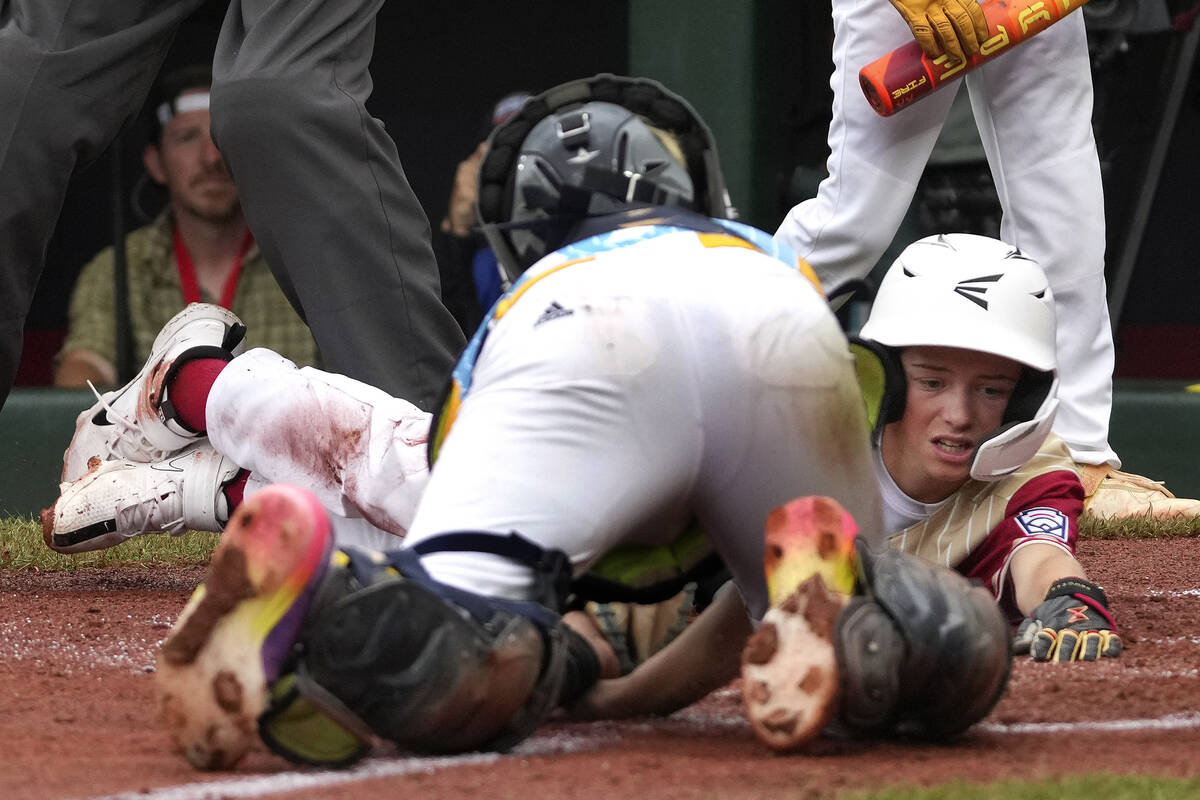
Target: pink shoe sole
(231, 639)
(789, 666)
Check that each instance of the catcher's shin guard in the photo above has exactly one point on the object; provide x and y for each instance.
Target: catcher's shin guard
(430, 668)
(921, 649)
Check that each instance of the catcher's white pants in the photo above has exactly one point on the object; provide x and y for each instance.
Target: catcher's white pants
(621, 397)
(1033, 107)
(360, 450)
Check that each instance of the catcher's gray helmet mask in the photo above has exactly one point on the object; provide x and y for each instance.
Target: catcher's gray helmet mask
(589, 147)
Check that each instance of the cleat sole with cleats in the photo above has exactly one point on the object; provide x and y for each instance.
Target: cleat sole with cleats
(235, 633)
(790, 675)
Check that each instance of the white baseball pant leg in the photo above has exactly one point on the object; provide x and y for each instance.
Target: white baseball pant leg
(1033, 107)
(875, 162)
(357, 448)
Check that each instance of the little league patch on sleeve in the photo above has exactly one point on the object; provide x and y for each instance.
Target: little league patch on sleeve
(1043, 521)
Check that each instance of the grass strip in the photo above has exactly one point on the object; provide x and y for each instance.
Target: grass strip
(21, 545)
(1138, 528)
(1091, 787)
(22, 548)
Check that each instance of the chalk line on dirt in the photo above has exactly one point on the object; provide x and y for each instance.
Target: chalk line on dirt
(1170, 722)
(552, 744)
(258, 785)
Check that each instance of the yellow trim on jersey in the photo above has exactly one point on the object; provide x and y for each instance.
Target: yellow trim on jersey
(808, 272)
(446, 418)
(724, 240)
(460, 382)
(729, 240)
(449, 412)
(507, 301)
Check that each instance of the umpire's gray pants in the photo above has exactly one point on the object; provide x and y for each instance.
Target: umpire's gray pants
(320, 181)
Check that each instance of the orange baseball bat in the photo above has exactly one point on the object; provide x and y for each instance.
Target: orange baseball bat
(906, 74)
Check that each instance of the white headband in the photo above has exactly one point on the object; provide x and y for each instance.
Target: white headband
(192, 101)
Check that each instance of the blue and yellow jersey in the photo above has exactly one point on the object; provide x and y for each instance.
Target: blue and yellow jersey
(721, 233)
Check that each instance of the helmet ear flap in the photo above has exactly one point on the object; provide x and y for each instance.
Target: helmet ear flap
(493, 201)
(881, 380)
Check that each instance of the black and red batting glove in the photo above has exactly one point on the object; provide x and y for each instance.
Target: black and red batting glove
(1073, 623)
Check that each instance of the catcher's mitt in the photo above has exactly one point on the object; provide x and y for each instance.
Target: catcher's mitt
(920, 648)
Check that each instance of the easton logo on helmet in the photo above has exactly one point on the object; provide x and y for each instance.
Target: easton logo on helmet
(975, 293)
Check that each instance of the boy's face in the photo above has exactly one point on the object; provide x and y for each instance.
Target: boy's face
(189, 165)
(955, 397)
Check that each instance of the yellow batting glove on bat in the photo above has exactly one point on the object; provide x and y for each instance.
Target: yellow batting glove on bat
(1072, 624)
(959, 25)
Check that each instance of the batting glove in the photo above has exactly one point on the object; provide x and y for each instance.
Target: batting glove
(959, 24)
(1073, 623)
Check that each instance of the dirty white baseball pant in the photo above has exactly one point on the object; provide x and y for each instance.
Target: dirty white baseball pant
(360, 450)
(621, 396)
(1033, 107)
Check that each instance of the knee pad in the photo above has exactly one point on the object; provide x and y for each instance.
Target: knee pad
(432, 669)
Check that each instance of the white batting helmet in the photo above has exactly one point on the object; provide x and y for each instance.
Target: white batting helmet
(976, 293)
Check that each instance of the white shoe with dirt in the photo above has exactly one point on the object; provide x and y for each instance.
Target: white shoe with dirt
(1113, 494)
(137, 422)
(116, 500)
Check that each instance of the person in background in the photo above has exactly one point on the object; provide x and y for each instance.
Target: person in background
(471, 279)
(198, 249)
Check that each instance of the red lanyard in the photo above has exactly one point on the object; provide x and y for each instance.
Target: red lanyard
(187, 271)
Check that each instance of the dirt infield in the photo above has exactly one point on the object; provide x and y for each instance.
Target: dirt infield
(77, 718)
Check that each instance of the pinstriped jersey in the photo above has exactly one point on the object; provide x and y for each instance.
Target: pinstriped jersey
(978, 529)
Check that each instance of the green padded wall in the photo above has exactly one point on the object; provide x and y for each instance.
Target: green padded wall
(36, 426)
(758, 72)
(1155, 429)
(705, 52)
